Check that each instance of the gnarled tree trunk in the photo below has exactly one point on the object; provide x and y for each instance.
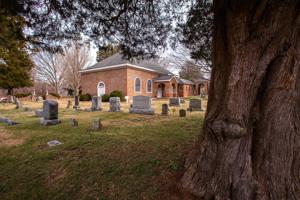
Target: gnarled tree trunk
(250, 147)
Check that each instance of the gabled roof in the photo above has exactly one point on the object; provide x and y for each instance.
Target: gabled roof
(185, 81)
(117, 60)
(166, 77)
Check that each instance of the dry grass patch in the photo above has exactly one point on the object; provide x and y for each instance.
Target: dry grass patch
(8, 140)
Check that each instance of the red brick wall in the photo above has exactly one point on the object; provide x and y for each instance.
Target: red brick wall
(186, 90)
(144, 76)
(113, 79)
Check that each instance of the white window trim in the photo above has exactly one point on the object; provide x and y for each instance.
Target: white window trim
(98, 87)
(147, 86)
(139, 92)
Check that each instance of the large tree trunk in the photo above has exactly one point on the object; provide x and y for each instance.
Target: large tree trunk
(250, 147)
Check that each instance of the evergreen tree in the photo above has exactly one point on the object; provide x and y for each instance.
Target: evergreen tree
(16, 64)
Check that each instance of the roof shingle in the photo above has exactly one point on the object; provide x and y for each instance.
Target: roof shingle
(117, 59)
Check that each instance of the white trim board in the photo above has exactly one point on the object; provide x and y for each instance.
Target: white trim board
(118, 66)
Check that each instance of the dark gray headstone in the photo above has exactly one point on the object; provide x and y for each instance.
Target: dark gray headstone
(50, 110)
(114, 104)
(50, 113)
(97, 125)
(142, 105)
(174, 101)
(96, 103)
(182, 113)
(76, 105)
(164, 109)
(195, 105)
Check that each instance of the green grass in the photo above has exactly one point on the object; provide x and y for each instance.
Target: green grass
(129, 159)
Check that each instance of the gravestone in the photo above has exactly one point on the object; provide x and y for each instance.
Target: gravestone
(27, 109)
(39, 113)
(76, 106)
(53, 143)
(174, 102)
(141, 105)
(50, 113)
(18, 103)
(114, 104)
(39, 98)
(69, 104)
(96, 103)
(195, 105)
(182, 113)
(73, 122)
(97, 125)
(8, 121)
(11, 99)
(165, 109)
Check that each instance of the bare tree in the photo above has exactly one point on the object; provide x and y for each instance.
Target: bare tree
(76, 58)
(50, 69)
(181, 59)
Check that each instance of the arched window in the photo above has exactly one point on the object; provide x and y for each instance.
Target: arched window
(137, 85)
(101, 88)
(149, 86)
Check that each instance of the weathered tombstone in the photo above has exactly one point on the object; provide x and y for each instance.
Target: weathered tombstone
(69, 104)
(97, 125)
(50, 113)
(174, 101)
(18, 104)
(76, 106)
(8, 121)
(96, 103)
(182, 113)
(27, 109)
(141, 105)
(165, 109)
(73, 122)
(39, 98)
(195, 105)
(114, 104)
(39, 113)
(53, 143)
(11, 99)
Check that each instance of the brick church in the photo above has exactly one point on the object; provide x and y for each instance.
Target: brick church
(136, 78)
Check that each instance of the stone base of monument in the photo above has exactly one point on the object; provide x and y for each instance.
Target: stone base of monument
(142, 111)
(50, 122)
(92, 109)
(39, 113)
(195, 109)
(76, 107)
(8, 121)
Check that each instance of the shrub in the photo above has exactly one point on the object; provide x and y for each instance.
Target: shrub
(118, 93)
(85, 97)
(54, 94)
(20, 95)
(105, 97)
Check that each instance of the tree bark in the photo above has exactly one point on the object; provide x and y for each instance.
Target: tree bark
(250, 146)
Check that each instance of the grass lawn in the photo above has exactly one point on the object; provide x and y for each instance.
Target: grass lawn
(134, 157)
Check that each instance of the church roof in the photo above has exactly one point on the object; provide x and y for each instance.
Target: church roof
(117, 60)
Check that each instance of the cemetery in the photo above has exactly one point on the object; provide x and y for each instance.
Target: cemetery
(108, 143)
